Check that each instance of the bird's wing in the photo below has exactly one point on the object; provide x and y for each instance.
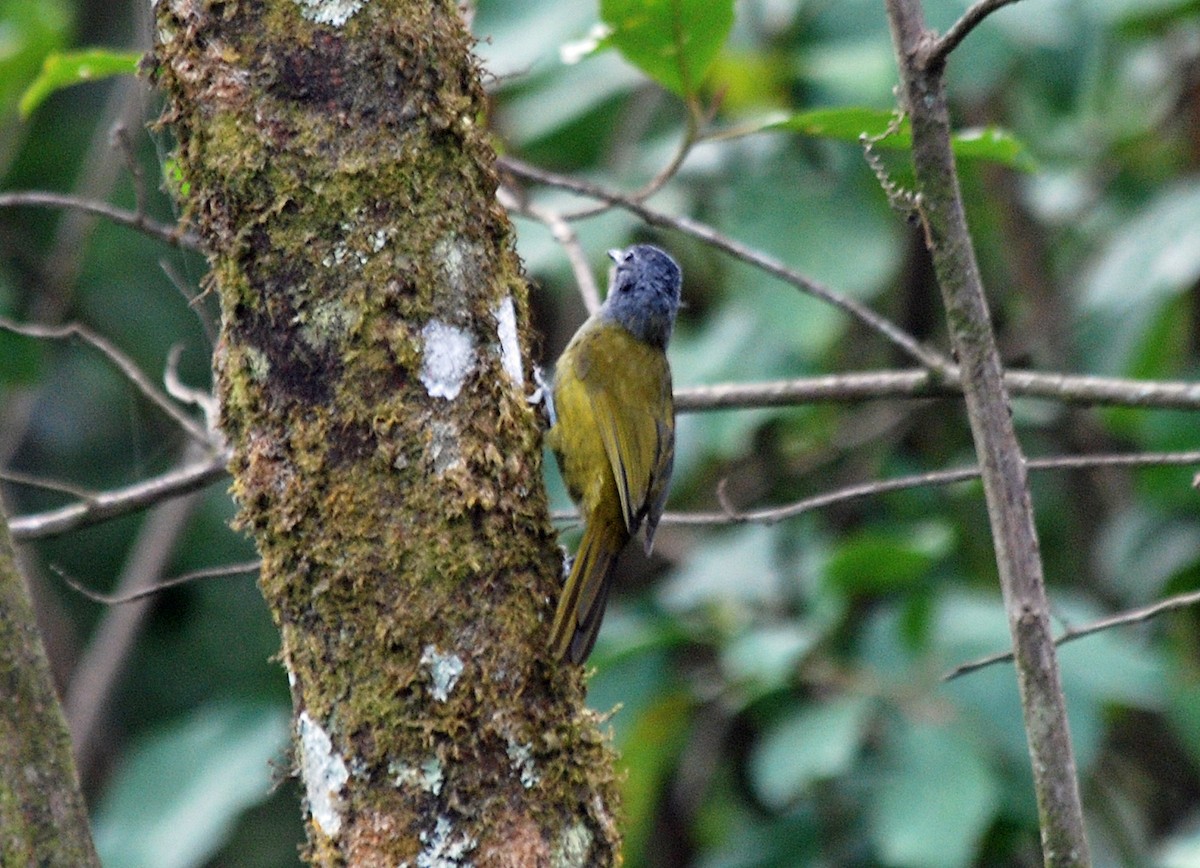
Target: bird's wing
(634, 416)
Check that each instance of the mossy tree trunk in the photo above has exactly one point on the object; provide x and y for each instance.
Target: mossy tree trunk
(43, 819)
(373, 372)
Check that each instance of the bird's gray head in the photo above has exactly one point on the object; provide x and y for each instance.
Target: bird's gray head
(644, 293)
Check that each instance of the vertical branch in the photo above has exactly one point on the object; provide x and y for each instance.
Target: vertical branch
(43, 820)
(1002, 464)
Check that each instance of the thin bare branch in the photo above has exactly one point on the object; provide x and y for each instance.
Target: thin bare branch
(1003, 467)
(565, 236)
(176, 236)
(122, 142)
(1082, 390)
(958, 31)
(183, 579)
(193, 300)
(666, 173)
(206, 401)
(771, 515)
(121, 361)
(110, 504)
(1134, 616)
(928, 357)
(31, 481)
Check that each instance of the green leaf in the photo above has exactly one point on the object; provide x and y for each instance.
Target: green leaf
(21, 359)
(28, 32)
(176, 798)
(767, 656)
(851, 123)
(936, 798)
(816, 743)
(63, 69)
(733, 569)
(871, 561)
(1149, 261)
(673, 41)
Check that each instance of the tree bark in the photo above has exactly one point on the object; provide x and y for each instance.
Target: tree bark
(43, 818)
(372, 372)
(1001, 461)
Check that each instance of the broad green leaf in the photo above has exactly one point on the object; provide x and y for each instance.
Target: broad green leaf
(850, 124)
(20, 359)
(815, 743)
(673, 41)
(28, 32)
(735, 568)
(767, 656)
(175, 799)
(936, 798)
(1150, 260)
(63, 69)
(871, 561)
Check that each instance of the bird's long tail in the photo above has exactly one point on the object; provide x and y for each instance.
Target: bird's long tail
(581, 606)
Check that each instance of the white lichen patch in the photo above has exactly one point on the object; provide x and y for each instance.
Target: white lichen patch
(521, 757)
(444, 848)
(428, 778)
(335, 12)
(510, 348)
(448, 358)
(324, 773)
(573, 849)
(444, 671)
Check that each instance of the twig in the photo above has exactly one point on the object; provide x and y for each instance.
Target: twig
(565, 236)
(98, 670)
(176, 236)
(771, 515)
(183, 579)
(1003, 468)
(121, 141)
(1134, 616)
(957, 32)
(666, 173)
(1078, 389)
(121, 361)
(28, 479)
(929, 358)
(194, 300)
(110, 504)
(206, 401)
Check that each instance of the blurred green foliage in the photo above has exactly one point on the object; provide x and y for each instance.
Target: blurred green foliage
(778, 687)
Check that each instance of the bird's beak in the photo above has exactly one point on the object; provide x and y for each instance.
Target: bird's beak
(615, 255)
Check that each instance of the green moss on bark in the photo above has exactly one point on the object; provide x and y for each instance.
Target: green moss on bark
(347, 196)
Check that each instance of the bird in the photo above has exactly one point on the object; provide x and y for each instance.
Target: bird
(613, 432)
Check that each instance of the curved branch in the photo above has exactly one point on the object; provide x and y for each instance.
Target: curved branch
(1080, 389)
(928, 357)
(182, 579)
(566, 237)
(1134, 616)
(941, 48)
(121, 361)
(176, 236)
(773, 514)
(110, 504)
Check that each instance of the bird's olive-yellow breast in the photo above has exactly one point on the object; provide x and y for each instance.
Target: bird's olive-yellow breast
(614, 435)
